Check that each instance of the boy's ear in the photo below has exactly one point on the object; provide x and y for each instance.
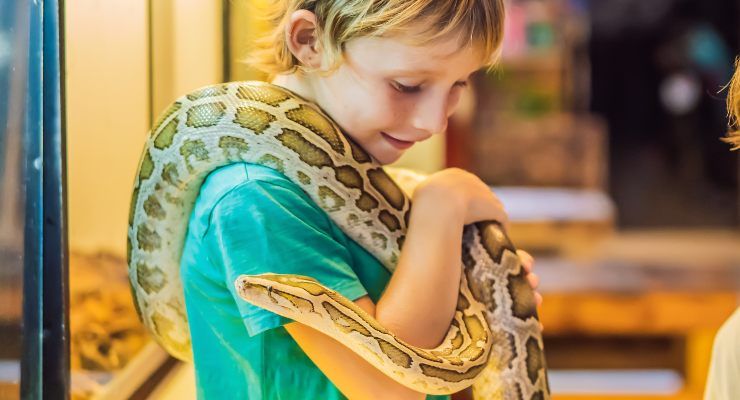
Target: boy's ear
(300, 35)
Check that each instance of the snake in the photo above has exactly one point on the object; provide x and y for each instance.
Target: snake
(494, 342)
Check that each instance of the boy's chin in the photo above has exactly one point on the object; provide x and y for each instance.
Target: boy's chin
(387, 157)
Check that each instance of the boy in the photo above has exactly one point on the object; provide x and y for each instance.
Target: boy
(389, 73)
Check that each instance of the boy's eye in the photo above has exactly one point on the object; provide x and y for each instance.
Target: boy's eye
(462, 83)
(406, 89)
(414, 89)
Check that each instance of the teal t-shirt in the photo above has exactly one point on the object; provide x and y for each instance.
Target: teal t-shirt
(250, 219)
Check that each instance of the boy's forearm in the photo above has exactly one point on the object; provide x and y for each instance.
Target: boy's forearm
(351, 374)
(419, 301)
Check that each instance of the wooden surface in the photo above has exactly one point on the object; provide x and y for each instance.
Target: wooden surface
(596, 313)
(559, 237)
(619, 297)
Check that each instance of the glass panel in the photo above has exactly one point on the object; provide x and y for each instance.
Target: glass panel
(13, 73)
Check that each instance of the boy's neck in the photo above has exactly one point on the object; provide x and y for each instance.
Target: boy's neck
(296, 84)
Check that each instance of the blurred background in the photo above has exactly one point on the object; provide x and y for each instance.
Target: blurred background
(599, 131)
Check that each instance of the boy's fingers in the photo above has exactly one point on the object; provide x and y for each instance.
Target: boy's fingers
(527, 260)
(533, 279)
(538, 298)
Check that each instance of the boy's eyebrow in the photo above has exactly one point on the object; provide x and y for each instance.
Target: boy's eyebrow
(422, 72)
(412, 71)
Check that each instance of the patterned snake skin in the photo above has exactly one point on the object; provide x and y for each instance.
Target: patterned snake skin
(494, 342)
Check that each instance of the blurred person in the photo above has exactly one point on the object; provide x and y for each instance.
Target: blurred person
(723, 381)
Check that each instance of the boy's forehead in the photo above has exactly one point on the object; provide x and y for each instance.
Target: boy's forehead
(392, 55)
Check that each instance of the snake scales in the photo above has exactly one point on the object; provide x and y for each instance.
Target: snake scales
(493, 343)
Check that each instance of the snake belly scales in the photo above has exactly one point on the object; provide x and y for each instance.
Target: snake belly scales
(494, 341)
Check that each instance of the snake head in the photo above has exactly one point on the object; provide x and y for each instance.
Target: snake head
(249, 290)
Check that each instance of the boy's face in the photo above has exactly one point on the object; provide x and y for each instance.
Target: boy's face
(388, 95)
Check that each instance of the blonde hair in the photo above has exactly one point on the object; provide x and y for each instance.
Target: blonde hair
(733, 108)
(475, 22)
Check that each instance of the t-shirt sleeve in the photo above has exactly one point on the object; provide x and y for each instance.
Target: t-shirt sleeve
(262, 226)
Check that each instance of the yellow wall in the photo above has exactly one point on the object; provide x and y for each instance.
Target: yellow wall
(187, 48)
(108, 99)
(107, 116)
(243, 28)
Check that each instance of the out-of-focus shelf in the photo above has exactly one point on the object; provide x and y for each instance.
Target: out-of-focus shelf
(676, 396)
(679, 285)
(660, 313)
(671, 249)
(11, 290)
(617, 382)
(534, 204)
(537, 61)
(557, 220)
(10, 378)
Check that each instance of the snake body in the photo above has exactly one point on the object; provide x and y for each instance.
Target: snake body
(493, 343)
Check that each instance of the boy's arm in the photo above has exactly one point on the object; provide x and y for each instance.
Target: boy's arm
(417, 305)
(418, 302)
(352, 375)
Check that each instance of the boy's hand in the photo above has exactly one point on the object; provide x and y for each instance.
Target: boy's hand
(534, 280)
(460, 191)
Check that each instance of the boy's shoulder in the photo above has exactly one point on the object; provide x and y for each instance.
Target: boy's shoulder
(262, 91)
(243, 178)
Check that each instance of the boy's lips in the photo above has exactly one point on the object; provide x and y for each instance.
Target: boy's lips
(397, 143)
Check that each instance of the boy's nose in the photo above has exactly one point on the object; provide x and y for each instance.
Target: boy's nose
(431, 115)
